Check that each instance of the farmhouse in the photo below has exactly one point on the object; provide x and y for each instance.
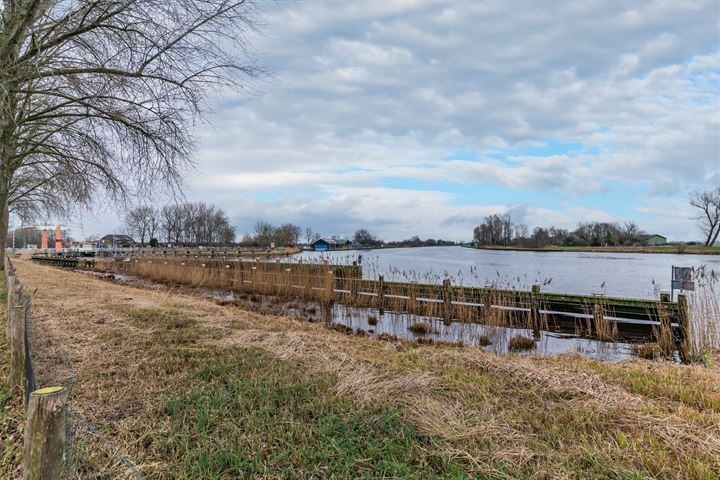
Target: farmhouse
(654, 240)
(116, 240)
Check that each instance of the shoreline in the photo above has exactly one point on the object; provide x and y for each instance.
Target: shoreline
(671, 250)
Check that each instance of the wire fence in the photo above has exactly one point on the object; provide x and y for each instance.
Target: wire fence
(40, 360)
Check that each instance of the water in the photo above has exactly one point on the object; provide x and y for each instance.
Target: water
(632, 275)
(548, 343)
(397, 324)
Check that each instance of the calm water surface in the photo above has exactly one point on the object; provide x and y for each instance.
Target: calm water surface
(613, 274)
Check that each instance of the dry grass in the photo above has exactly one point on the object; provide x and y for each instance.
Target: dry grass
(420, 328)
(146, 361)
(648, 351)
(519, 343)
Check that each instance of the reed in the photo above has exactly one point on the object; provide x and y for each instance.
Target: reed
(519, 343)
(703, 329)
(505, 302)
(420, 328)
(648, 351)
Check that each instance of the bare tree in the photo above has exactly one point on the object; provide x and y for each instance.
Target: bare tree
(99, 97)
(141, 223)
(363, 237)
(708, 203)
(264, 233)
(171, 223)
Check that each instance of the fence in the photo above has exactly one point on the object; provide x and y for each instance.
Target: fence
(600, 317)
(57, 439)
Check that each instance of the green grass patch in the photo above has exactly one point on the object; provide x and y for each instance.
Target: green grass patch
(678, 384)
(246, 414)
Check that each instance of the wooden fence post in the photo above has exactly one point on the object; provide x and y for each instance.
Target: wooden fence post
(45, 434)
(412, 298)
(381, 294)
(684, 322)
(17, 345)
(10, 298)
(447, 302)
(330, 292)
(535, 310)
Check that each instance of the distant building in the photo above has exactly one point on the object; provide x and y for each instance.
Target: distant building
(654, 240)
(330, 244)
(323, 244)
(114, 240)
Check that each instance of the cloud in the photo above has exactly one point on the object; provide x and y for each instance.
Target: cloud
(369, 92)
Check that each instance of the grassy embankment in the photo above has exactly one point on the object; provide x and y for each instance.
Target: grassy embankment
(672, 249)
(191, 389)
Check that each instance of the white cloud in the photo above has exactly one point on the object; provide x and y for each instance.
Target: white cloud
(370, 91)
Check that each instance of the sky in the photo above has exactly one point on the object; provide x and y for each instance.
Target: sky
(422, 117)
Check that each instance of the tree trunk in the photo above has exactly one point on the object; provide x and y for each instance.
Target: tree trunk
(4, 224)
(715, 237)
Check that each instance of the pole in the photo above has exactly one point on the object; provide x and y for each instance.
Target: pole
(672, 286)
(45, 434)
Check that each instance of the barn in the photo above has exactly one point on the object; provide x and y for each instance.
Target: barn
(323, 244)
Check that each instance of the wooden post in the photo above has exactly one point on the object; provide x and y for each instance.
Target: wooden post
(10, 298)
(331, 287)
(353, 288)
(45, 434)
(412, 298)
(17, 345)
(535, 310)
(381, 293)
(447, 302)
(684, 322)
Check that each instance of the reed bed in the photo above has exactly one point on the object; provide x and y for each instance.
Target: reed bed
(505, 302)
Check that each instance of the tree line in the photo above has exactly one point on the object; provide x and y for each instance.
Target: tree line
(501, 230)
(192, 223)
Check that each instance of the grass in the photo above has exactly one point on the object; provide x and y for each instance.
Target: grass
(649, 350)
(420, 328)
(249, 416)
(186, 388)
(519, 343)
(11, 411)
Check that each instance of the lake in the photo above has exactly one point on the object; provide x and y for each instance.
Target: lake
(631, 275)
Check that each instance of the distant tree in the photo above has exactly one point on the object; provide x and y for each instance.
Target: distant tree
(309, 235)
(287, 234)
(364, 237)
(153, 242)
(495, 230)
(264, 233)
(708, 203)
(140, 223)
(227, 236)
